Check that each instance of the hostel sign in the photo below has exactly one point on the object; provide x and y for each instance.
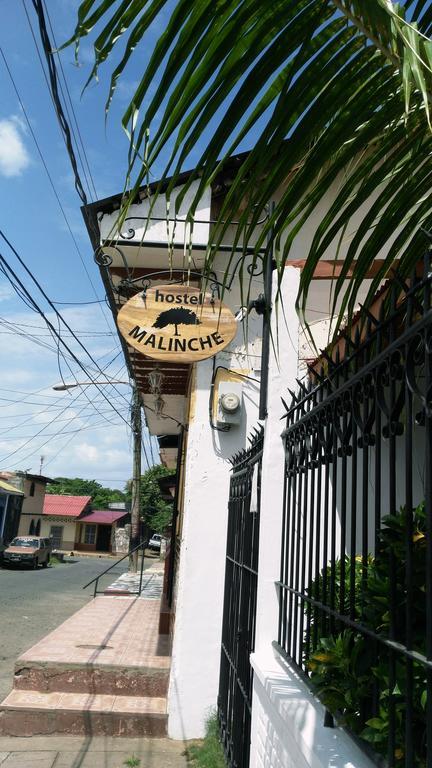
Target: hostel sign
(176, 323)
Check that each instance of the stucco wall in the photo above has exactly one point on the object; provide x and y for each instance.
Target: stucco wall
(69, 530)
(33, 504)
(25, 522)
(197, 635)
(288, 724)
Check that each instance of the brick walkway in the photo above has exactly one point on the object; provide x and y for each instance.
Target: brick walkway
(85, 752)
(103, 672)
(107, 631)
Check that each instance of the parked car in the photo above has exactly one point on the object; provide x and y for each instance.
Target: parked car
(155, 542)
(28, 550)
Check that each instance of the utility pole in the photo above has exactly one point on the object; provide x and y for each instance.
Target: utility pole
(136, 425)
(136, 479)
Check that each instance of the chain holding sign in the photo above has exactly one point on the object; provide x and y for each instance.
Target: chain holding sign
(177, 323)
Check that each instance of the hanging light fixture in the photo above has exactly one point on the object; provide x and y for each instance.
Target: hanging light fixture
(159, 405)
(155, 379)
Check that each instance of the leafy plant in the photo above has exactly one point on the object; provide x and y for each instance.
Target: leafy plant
(208, 753)
(332, 96)
(156, 512)
(340, 669)
(349, 672)
(132, 762)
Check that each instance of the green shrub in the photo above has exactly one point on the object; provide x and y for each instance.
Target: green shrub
(348, 670)
(208, 753)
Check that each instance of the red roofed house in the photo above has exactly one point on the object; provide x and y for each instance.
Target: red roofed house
(73, 525)
(59, 518)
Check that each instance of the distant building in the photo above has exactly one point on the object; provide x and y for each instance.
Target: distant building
(11, 500)
(34, 488)
(59, 518)
(73, 525)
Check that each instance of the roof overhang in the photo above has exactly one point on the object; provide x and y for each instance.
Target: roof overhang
(134, 255)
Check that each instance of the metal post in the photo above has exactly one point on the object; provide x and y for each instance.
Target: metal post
(266, 324)
(136, 480)
(142, 568)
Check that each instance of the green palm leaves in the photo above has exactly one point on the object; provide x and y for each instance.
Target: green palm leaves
(334, 97)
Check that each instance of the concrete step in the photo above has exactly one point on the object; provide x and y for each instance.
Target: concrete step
(150, 678)
(31, 713)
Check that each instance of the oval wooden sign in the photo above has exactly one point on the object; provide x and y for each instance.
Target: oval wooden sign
(176, 323)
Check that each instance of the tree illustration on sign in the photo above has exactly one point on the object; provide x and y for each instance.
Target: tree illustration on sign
(176, 317)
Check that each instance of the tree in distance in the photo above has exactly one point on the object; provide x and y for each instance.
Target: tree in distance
(77, 486)
(176, 317)
(155, 511)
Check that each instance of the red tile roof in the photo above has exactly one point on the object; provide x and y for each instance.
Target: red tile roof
(104, 516)
(65, 506)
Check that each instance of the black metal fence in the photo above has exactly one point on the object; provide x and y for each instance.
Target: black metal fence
(238, 628)
(355, 583)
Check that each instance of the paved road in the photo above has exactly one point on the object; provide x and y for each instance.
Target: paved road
(32, 603)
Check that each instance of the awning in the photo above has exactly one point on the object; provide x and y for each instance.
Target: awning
(102, 516)
(8, 488)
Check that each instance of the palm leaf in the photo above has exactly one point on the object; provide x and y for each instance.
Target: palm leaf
(332, 95)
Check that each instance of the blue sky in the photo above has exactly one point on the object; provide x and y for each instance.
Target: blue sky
(32, 219)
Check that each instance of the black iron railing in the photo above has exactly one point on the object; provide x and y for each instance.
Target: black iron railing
(238, 628)
(355, 584)
(95, 581)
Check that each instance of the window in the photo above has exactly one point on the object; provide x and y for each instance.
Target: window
(38, 527)
(56, 535)
(32, 528)
(32, 489)
(90, 534)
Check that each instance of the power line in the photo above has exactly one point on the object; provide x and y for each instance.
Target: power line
(40, 311)
(57, 313)
(65, 408)
(77, 248)
(70, 102)
(63, 124)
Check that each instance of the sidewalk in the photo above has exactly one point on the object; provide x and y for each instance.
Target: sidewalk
(103, 673)
(89, 752)
(151, 582)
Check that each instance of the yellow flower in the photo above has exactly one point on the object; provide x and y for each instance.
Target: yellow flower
(399, 753)
(322, 656)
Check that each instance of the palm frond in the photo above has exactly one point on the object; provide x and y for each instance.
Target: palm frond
(333, 96)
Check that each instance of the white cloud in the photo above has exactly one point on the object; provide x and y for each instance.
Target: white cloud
(6, 292)
(14, 158)
(75, 438)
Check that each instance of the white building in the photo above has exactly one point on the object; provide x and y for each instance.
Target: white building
(284, 720)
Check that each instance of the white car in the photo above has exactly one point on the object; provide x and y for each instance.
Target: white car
(155, 542)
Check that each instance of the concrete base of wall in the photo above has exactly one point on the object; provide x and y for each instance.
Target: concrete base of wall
(288, 723)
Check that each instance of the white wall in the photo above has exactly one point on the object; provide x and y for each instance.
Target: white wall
(69, 530)
(197, 633)
(288, 723)
(33, 505)
(287, 728)
(156, 231)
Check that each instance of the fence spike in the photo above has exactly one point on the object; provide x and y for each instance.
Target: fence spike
(314, 372)
(348, 339)
(406, 289)
(364, 310)
(329, 359)
(302, 386)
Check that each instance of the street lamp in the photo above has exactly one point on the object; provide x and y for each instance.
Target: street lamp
(64, 387)
(136, 424)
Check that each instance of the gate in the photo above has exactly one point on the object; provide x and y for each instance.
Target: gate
(238, 627)
(355, 584)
